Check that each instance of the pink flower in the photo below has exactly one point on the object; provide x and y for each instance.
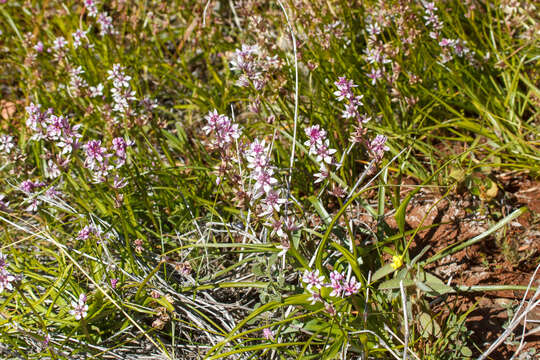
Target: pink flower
(96, 91)
(322, 174)
(378, 147)
(345, 88)
(101, 171)
(263, 180)
(277, 229)
(222, 128)
(268, 334)
(38, 47)
(351, 111)
(119, 182)
(212, 120)
(319, 146)
(373, 29)
(5, 280)
(315, 134)
(364, 118)
(78, 36)
(272, 202)
(52, 169)
(59, 43)
(330, 309)
(429, 6)
(313, 279)
(375, 75)
(120, 145)
(351, 287)
(86, 231)
(6, 144)
(335, 283)
(91, 6)
(257, 155)
(324, 153)
(27, 186)
(114, 282)
(95, 153)
(3, 261)
(79, 308)
(227, 131)
(244, 59)
(118, 77)
(375, 56)
(5, 277)
(315, 297)
(51, 193)
(33, 204)
(105, 24)
(445, 42)
(54, 129)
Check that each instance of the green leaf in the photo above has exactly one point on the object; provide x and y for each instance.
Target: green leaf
(401, 210)
(428, 325)
(319, 208)
(351, 260)
(436, 284)
(382, 272)
(395, 284)
(465, 351)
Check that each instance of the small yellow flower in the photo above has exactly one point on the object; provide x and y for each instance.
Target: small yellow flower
(397, 262)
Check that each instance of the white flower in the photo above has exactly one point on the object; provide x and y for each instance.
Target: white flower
(97, 90)
(80, 309)
(6, 144)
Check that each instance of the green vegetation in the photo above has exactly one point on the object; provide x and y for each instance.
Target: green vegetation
(231, 179)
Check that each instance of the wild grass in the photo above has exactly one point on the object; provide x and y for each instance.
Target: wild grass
(164, 230)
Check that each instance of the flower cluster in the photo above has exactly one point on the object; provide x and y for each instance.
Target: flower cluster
(78, 36)
(103, 19)
(98, 159)
(121, 91)
(6, 278)
(252, 64)
(268, 334)
(257, 156)
(88, 231)
(449, 47)
(39, 47)
(79, 308)
(58, 48)
(376, 58)
(76, 82)
(105, 24)
(345, 93)
(319, 146)
(431, 19)
(47, 126)
(223, 130)
(377, 147)
(91, 7)
(29, 188)
(245, 60)
(59, 44)
(340, 285)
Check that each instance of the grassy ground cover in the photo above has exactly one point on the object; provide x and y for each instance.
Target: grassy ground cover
(255, 179)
